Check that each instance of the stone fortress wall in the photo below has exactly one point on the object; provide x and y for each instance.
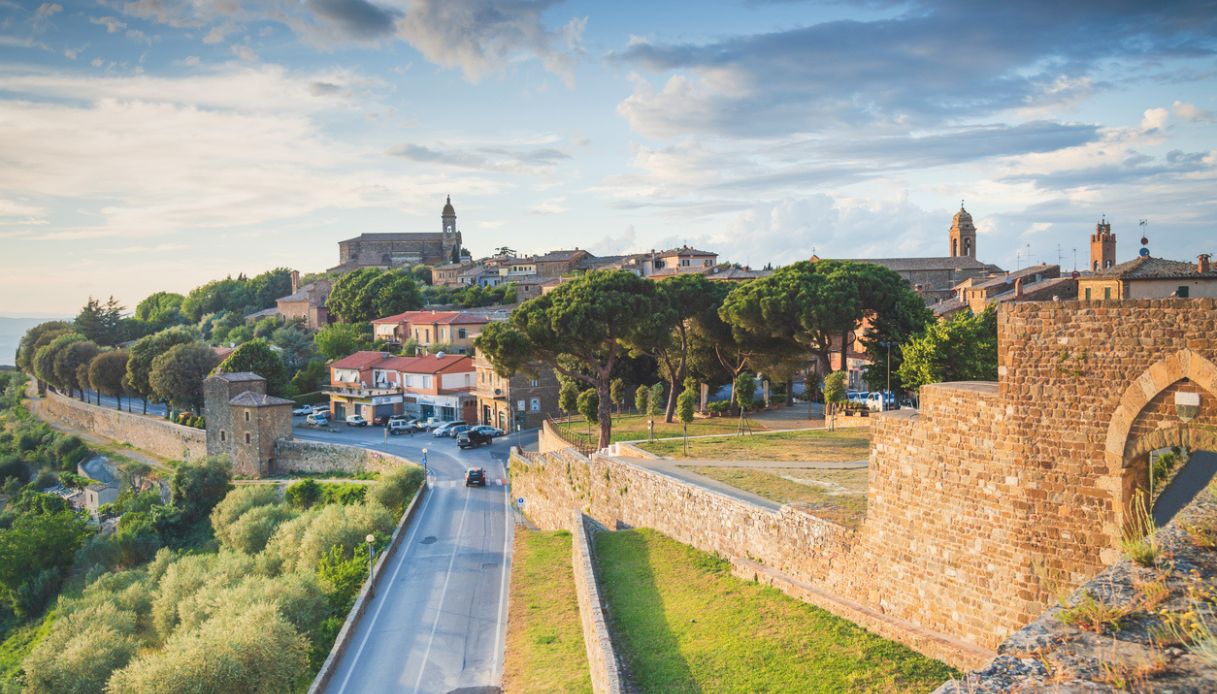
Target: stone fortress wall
(983, 506)
(153, 434)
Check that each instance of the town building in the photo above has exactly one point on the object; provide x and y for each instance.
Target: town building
(448, 274)
(306, 304)
(243, 422)
(1148, 277)
(402, 249)
(375, 385)
(559, 263)
(935, 279)
(454, 331)
(356, 389)
(519, 402)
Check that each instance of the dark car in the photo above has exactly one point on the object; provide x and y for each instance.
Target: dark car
(489, 430)
(472, 438)
(475, 476)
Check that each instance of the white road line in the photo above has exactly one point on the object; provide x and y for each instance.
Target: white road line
(439, 612)
(499, 627)
(415, 522)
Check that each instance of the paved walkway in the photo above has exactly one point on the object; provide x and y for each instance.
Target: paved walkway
(784, 464)
(666, 466)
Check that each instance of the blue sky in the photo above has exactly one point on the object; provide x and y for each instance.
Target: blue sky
(156, 144)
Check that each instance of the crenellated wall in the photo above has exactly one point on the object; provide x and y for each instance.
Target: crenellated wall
(984, 504)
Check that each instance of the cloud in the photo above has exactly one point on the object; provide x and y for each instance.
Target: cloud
(245, 53)
(482, 37)
(47, 10)
(1191, 112)
(1154, 119)
(551, 206)
(939, 62)
(324, 88)
(486, 157)
(113, 25)
(357, 18)
(219, 32)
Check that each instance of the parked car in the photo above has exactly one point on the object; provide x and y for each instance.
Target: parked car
(472, 438)
(399, 418)
(881, 402)
(356, 420)
(302, 411)
(318, 419)
(457, 430)
(445, 428)
(489, 430)
(400, 426)
(475, 477)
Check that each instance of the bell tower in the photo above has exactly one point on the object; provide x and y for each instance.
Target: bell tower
(1102, 246)
(451, 237)
(963, 234)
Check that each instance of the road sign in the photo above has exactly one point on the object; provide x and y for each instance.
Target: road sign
(520, 501)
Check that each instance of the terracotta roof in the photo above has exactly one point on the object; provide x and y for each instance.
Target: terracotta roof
(686, 251)
(554, 256)
(1036, 288)
(436, 236)
(946, 308)
(360, 360)
(923, 264)
(251, 399)
(305, 293)
(429, 364)
(1151, 268)
(264, 313)
(1009, 277)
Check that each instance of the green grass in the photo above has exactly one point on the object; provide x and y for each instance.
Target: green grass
(836, 495)
(17, 645)
(844, 444)
(634, 428)
(683, 623)
(545, 651)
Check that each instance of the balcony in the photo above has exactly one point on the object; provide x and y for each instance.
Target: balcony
(359, 390)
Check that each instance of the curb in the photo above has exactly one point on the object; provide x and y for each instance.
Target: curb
(361, 602)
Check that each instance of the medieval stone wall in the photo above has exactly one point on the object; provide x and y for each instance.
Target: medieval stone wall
(982, 506)
(152, 434)
(293, 455)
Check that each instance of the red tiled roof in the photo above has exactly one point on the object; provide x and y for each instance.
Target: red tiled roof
(433, 364)
(433, 317)
(359, 360)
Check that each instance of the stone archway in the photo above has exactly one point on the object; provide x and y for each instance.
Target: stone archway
(1120, 453)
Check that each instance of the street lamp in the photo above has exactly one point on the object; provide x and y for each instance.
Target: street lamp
(371, 558)
(888, 393)
(424, 461)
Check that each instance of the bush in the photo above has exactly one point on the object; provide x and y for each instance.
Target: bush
(253, 529)
(256, 650)
(81, 651)
(303, 494)
(395, 489)
(718, 408)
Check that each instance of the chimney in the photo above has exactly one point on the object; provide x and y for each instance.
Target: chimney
(295, 281)
(1018, 288)
(1202, 263)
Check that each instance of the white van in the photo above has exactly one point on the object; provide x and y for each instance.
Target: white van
(879, 402)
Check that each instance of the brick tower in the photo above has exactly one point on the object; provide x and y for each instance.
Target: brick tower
(963, 234)
(1102, 246)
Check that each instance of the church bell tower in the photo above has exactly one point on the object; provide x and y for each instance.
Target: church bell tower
(452, 237)
(1102, 246)
(963, 234)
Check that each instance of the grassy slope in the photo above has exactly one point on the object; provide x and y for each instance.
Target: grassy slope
(545, 651)
(847, 509)
(17, 645)
(684, 624)
(634, 428)
(844, 444)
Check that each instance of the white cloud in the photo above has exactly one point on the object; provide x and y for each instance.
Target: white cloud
(113, 25)
(245, 53)
(551, 206)
(1154, 119)
(1191, 112)
(219, 32)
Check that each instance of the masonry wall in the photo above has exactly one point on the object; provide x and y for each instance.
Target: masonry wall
(982, 506)
(292, 455)
(152, 434)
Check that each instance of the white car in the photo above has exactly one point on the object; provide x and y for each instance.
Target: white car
(445, 428)
(318, 419)
(356, 421)
(303, 411)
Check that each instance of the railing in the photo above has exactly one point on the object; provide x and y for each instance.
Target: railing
(360, 391)
(579, 444)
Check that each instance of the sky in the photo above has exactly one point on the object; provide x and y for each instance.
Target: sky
(151, 145)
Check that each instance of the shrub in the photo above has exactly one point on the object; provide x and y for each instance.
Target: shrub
(255, 650)
(238, 502)
(396, 488)
(186, 576)
(344, 493)
(1094, 615)
(254, 528)
(301, 542)
(303, 494)
(81, 651)
(298, 597)
(718, 408)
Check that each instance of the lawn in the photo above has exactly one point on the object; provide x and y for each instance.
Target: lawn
(632, 427)
(836, 495)
(545, 651)
(818, 445)
(683, 623)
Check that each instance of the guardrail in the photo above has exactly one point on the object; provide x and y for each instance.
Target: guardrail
(361, 603)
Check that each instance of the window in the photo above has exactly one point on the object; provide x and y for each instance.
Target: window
(247, 415)
(223, 436)
(1182, 292)
(534, 383)
(1106, 293)
(247, 438)
(684, 262)
(1088, 293)
(460, 333)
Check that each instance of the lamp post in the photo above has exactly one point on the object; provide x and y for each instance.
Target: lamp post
(371, 559)
(888, 393)
(424, 462)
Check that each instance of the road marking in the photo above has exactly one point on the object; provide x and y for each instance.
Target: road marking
(499, 627)
(443, 593)
(401, 561)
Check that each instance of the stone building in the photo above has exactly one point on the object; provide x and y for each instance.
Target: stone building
(1102, 246)
(396, 250)
(524, 399)
(243, 422)
(1148, 277)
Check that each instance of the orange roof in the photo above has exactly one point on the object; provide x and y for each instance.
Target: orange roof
(429, 317)
(430, 364)
(360, 360)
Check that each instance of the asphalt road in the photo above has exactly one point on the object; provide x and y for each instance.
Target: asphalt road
(438, 620)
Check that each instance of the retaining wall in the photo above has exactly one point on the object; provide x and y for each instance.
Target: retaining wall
(601, 655)
(296, 455)
(149, 433)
